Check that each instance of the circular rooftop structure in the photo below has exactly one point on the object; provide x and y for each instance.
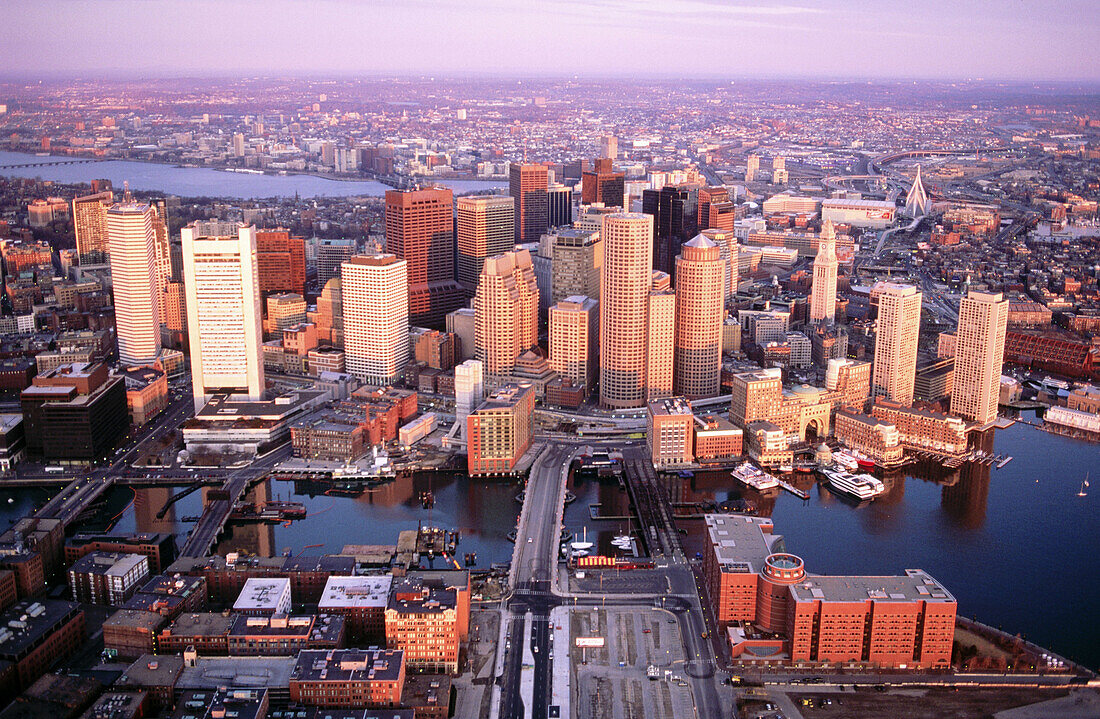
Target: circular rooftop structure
(784, 568)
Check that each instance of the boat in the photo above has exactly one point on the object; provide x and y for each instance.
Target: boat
(1084, 486)
(861, 486)
(846, 459)
(864, 461)
(785, 468)
(582, 546)
(754, 477)
(570, 497)
(805, 466)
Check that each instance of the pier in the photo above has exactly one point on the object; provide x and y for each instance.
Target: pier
(793, 489)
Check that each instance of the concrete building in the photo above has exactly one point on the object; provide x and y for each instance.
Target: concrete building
(134, 282)
(802, 412)
(499, 431)
(374, 290)
(505, 311)
(700, 275)
(823, 291)
(670, 434)
(420, 230)
(74, 413)
(224, 315)
(285, 309)
(469, 390)
(660, 357)
(897, 333)
(979, 354)
(107, 577)
(486, 227)
(90, 225)
(574, 329)
(266, 596)
(576, 263)
(872, 214)
(527, 184)
(769, 604)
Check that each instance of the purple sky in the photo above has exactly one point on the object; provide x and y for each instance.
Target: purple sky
(1017, 39)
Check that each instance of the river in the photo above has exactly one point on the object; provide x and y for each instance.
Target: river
(1016, 546)
(207, 182)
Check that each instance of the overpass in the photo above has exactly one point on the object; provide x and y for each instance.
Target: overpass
(895, 156)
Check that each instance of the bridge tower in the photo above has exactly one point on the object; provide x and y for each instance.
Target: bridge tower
(916, 202)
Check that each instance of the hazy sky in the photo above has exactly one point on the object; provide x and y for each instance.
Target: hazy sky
(1019, 39)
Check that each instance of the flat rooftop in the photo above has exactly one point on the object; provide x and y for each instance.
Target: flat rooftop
(741, 543)
(243, 672)
(914, 585)
(356, 592)
(320, 628)
(201, 624)
(110, 564)
(27, 624)
(347, 665)
(262, 593)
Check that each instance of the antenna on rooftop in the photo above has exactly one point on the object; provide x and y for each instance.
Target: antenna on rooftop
(126, 190)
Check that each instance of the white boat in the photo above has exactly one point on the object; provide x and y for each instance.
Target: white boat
(846, 459)
(861, 486)
(582, 546)
(754, 477)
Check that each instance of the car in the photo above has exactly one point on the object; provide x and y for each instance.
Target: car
(645, 631)
(529, 540)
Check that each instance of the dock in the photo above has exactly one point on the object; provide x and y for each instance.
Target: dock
(594, 513)
(794, 490)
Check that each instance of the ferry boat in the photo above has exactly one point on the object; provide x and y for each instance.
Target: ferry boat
(863, 487)
(846, 459)
(755, 478)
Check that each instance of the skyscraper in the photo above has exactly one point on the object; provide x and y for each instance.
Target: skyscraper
(897, 333)
(752, 166)
(674, 210)
(162, 256)
(603, 184)
(559, 205)
(660, 356)
(730, 252)
(486, 227)
(979, 352)
(609, 147)
(574, 326)
(528, 185)
(469, 390)
(224, 315)
(716, 211)
(420, 230)
(624, 308)
(282, 262)
(375, 296)
(90, 225)
(134, 280)
(823, 292)
(331, 254)
(699, 313)
(506, 308)
(576, 260)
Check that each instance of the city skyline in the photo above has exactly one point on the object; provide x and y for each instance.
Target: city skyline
(822, 39)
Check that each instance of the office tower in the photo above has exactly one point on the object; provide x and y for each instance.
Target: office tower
(660, 337)
(823, 291)
(729, 251)
(716, 211)
(499, 431)
(576, 261)
(330, 255)
(375, 295)
(469, 390)
(699, 312)
(224, 314)
(674, 210)
(284, 311)
(624, 308)
(896, 336)
(90, 225)
(979, 352)
(528, 184)
(752, 166)
(574, 326)
(282, 262)
(133, 277)
(603, 184)
(486, 227)
(609, 147)
(175, 307)
(559, 205)
(420, 230)
(506, 308)
(238, 144)
(162, 255)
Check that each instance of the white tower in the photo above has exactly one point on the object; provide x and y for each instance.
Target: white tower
(376, 317)
(916, 202)
(823, 291)
(134, 280)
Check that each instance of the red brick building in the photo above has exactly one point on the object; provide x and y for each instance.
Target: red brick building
(348, 678)
(281, 260)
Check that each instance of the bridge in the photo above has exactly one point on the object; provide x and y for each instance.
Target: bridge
(895, 156)
(49, 163)
(214, 516)
(77, 496)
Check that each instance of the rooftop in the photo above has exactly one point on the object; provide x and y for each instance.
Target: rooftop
(110, 564)
(153, 671)
(241, 672)
(201, 624)
(359, 592)
(262, 593)
(742, 543)
(26, 624)
(346, 665)
(914, 585)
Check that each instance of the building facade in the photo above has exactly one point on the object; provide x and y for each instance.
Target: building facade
(897, 334)
(486, 227)
(375, 299)
(699, 313)
(979, 354)
(505, 311)
(134, 282)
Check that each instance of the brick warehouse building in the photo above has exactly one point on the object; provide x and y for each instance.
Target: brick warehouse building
(772, 609)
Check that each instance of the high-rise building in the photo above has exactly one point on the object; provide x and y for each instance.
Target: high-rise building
(699, 312)
(729, 251)
(823, 291)
(979, 352)
(574, 326)
(752, 166)
(162, 256)
(282, 262)
(505, 311)
(134, 280)
(224, 313)
(499, 431)
(330, 313)
(90, 225)
(559, 199)
(330, 255)
(603, 184)
(897, 333)
(420, 230)
(576, 261)
(674, 210)
(716, 210)
(624, 308)
(660, 338)
(469, 390)
(609, 147)
(528, 185)
(486, 227)
(376, 317)
(284, 310)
